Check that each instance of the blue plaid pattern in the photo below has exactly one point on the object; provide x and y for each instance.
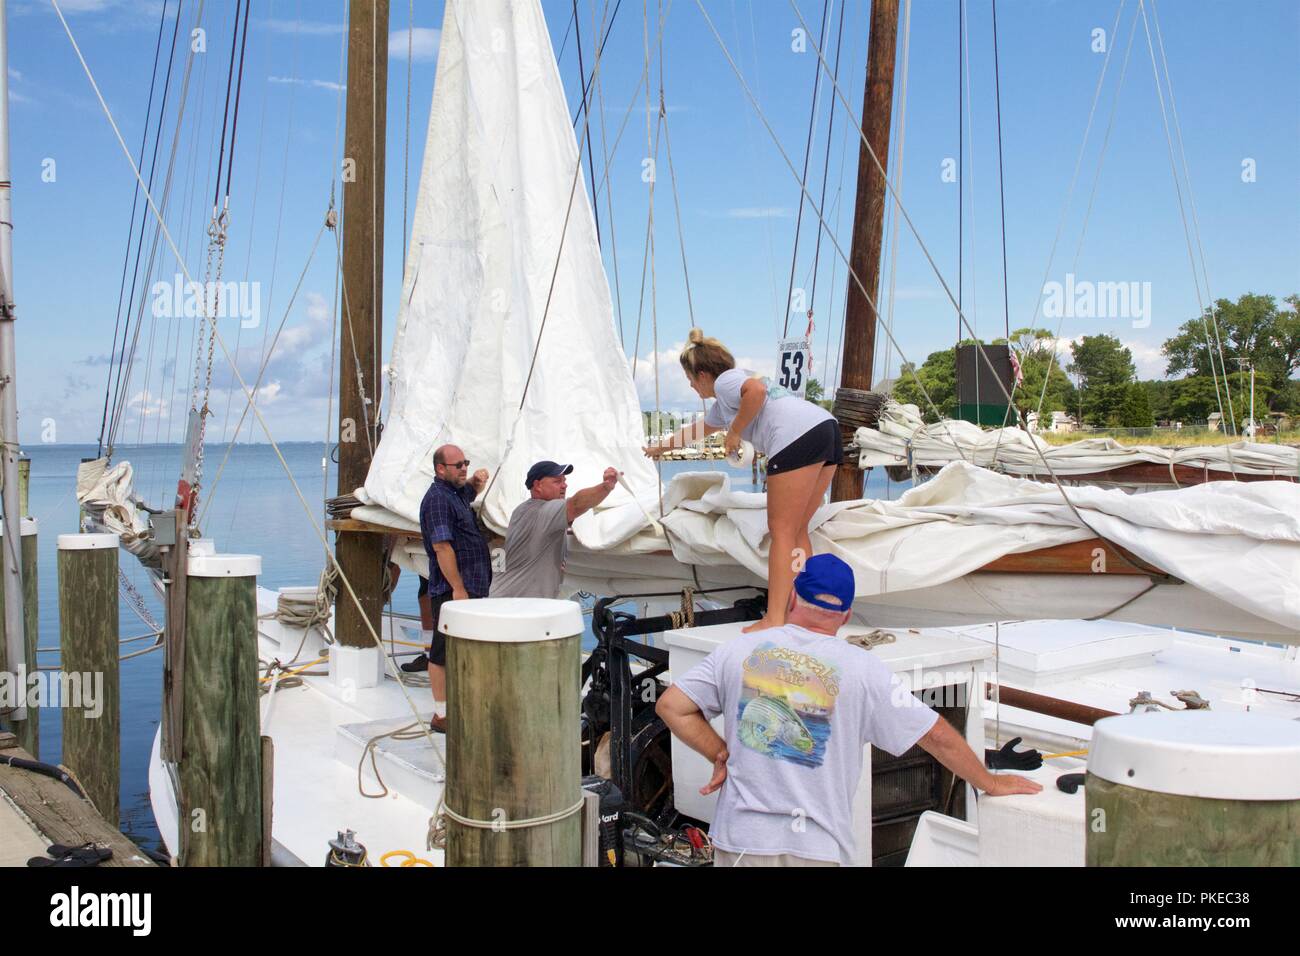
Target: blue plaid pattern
(445, 515)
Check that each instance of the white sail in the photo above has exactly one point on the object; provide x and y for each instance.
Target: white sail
(903, 438)
(497, 184)
(500, 177)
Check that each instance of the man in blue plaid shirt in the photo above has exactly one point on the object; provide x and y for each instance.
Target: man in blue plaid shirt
(459, 564)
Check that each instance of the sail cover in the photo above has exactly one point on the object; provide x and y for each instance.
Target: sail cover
(504, 278)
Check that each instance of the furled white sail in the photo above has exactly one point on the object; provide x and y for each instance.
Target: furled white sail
(903, 438)
(499, 181)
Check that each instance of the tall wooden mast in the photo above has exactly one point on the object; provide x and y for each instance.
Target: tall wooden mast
(868, 229)
(360, 555)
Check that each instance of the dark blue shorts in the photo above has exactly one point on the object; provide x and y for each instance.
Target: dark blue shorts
(437, 652)
(820, 444)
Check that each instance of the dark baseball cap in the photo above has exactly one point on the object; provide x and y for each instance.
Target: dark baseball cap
(825, 575)
(545, 469)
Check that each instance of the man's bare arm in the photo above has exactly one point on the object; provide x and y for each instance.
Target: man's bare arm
(442, 550)
(686, 722)
(583, 501)
(949, 748)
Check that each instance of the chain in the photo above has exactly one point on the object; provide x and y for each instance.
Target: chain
(211, 300)
(137, 602)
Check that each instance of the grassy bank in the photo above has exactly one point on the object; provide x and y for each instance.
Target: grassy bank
(1166, 437)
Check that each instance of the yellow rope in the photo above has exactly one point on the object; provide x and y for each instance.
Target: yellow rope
(1068, 753)
(296, 670)
(410, 858)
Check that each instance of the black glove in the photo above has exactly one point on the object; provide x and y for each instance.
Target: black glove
(1008, 758)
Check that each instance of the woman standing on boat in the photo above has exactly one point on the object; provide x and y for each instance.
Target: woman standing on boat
(800, 439)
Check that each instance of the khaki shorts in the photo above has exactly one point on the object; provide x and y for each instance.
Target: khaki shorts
(727, 858)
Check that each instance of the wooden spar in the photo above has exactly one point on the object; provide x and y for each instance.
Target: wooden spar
(360, 556)
(868, 226)
(1076, 557)
(1050, 706)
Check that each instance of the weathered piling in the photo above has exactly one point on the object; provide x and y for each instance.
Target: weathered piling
(89, 688)
(221, 753)
(1194, 788)
(514, 789)
(27, 729)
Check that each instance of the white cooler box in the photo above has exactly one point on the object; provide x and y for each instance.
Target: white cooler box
(923, 657)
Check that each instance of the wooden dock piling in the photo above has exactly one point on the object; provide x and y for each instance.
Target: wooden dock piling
(513, 753)
(88, 642)
(27, 729)
(221, 753)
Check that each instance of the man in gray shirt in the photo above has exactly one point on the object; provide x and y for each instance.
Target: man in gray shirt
(537, 539)
(799, 705)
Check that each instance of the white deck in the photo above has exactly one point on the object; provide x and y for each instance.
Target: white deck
(320, 736)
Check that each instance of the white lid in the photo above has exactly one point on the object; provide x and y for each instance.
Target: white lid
(510, 620)
(225, 565)
(28, 527)
(202, 546)
(87, 542)
(1200, 753)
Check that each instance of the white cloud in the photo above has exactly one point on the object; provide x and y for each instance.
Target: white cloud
(675, 392)
(423, 43)
(298, 81)
(306, 27)
(758, 212)
(1149, 360)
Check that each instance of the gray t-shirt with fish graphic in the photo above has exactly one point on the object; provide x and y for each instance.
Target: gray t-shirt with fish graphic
(799, 707)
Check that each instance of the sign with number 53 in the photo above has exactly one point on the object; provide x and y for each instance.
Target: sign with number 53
(792, 361)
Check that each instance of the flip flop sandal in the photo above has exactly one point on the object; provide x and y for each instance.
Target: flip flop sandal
(89, 854)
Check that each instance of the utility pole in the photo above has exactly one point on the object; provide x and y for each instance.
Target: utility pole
(1243, 364)
(860, 317)
(359, 553)
(12, 565)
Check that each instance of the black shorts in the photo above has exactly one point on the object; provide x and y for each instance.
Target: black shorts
(424, 587)
(437, 652)
(819, 444)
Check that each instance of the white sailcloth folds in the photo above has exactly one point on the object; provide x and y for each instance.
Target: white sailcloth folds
(489, 250)
(504, 278)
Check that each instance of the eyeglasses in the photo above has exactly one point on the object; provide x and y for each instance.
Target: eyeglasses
(457, 464)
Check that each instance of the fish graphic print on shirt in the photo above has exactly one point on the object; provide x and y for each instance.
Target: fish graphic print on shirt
(787, 701)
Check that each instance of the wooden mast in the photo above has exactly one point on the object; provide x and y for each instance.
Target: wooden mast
(360, 556)
(868, 228)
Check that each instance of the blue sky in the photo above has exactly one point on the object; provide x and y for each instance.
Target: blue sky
(1233, 74)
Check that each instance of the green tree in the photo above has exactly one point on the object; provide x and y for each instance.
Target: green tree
(1135, 412)
(1252, 328)
(1033, 348)
(939, 376)
(1105, 370)
(813, 391)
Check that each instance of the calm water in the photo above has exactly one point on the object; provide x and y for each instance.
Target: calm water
(252, 509)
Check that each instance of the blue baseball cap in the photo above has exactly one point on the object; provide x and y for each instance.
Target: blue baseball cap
(827, 576)
(545, 469)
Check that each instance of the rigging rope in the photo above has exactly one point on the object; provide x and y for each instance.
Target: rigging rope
(807, 155)
(1227, 388)
(898, 165)
(1002, 197)
(1069, 193)
(126, 257)
(275, 447)
(826, 168)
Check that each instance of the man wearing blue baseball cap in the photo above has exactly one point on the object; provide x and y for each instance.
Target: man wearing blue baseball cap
(537, 536)
(799, 706)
